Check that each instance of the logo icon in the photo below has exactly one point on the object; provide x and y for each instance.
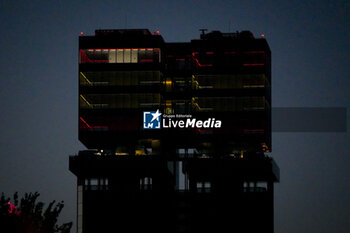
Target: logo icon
(151, 120)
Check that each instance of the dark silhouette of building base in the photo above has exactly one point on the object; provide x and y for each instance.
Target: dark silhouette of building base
(223, 195)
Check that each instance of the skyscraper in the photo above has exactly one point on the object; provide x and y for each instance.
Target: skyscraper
(176, 133)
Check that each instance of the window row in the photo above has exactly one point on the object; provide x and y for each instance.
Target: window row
(255, 187)
(231, 81)
(102, 184)
(96, 184)
(105, 123)
(119, 100)
(119, 78)
(207, 59)
(125, 55)
(203, 187)
(230, 103)
(127, 101)
(146, 183)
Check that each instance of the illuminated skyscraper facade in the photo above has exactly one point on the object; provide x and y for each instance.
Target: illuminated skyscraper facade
(202, 167)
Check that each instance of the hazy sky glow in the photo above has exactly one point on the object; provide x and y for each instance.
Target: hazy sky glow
(310, 48)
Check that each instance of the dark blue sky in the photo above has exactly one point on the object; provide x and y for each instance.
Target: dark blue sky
(310, 68)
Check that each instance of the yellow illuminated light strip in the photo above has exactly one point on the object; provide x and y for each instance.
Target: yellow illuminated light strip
(86, 78)
(85, 100)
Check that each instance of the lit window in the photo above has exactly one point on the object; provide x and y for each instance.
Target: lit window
(113, 56)
(134, 56)
(146, 183)
(120, 56)
(96, 184)
(258, 187)
(129, 55)
(203, 187)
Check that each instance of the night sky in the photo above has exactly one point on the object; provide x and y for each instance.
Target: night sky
(310, 48)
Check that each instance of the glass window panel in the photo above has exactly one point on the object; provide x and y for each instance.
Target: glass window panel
(112, 56)
(94, 181)
(120, 56)
(156, 55)
(149, 54)
(127, 56)
(207, 184)
(90, 55)
(104, 55)
(97, 55)
(134, 56)
(127, 78)
(142, 54)
(85, 56)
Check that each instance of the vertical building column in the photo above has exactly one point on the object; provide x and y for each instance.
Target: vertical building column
(271, 199)
(80, 208)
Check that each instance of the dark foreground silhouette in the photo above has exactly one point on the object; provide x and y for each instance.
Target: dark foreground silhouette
(29, 216)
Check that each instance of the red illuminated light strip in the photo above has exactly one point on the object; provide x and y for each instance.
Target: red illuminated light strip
(196, 60)
(146, 60)
(85, 123)
(92, 127)
(84, 57)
